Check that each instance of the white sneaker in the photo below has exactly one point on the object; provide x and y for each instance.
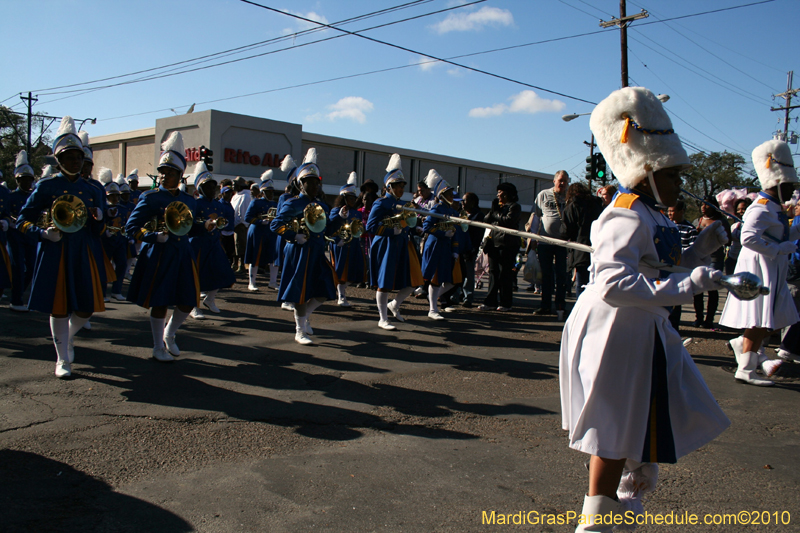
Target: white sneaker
(63, 369)
(107, 299)
(419, 291)
(19, 308)
(118, 297)
(211, 306)
(343, 302)
(434, 315)
(160, 354)
(87, 326)
(449, 309)
(252, 288)
(308, 329)
(289, 306)
(71, 350)
(385, 324)
(302, 338)
(272, 287)
(203, 295)
(687, 341)
(787, 356)
(770, 366)
(172, 347)
(395, 311)
(197, 314)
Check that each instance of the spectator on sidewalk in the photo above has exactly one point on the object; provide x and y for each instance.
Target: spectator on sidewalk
(549, 207)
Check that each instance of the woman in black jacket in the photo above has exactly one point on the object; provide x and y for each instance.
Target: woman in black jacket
(580, 210)
(502, 248)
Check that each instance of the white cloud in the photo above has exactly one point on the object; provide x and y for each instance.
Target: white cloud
(425, 63)
(350, 107)
(525, 102)
(476, 20)
(302, 25)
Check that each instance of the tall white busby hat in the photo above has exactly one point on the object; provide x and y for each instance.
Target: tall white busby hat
(266, 181)
(47, 172)
(288, 165)
(66, 137)
(309, 168)
(173, 153)
(394, 171)
(635, 135)
(350, 187)
(87, 151)
(106, 177)
(134, 175)
(773, 163)
(122, 184)
(22, 167)
(436, 183)
(201, 174)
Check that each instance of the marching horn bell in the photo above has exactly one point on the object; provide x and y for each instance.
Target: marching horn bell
(68, 213)
(178, 218)
(744, 285)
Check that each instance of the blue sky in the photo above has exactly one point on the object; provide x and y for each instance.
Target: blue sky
(719, 69)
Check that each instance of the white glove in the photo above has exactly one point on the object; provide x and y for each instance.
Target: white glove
(131, 241)
(265, 222)
(398, 230)
(449, 233)
(455, 255)
(339, 243)
(51, 234)
(300, 239)
(787, 248)
(3, 225)
(705, 279)
(108, 234)
(97, 213)
(162, 237)
(710, 239)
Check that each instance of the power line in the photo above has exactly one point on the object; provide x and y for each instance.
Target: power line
(706, 12)
(405, 49)
(161, 76)
(240, 48)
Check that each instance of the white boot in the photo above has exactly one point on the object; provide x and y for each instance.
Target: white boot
(253, 273)
(394, 307)
(342, 295)
(598, 505)
(300, 336)
(746, 372)
(382, 299)
(59, 327)
(273, 276)
(637, 480)
(210, 301)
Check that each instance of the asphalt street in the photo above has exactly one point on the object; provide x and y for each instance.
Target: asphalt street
(421, 429)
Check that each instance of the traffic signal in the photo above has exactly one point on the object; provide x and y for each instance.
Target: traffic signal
(591, 169)
(205, 157)
(600, 169)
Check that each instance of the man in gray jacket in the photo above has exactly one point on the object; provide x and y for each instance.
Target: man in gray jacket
(550, 208)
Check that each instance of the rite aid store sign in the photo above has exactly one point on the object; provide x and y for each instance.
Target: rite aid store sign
(239, 156)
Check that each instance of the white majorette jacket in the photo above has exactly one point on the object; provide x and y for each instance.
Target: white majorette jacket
(629, 389)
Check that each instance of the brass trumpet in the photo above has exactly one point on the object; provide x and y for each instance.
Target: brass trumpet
(115, 229)
(68, 214)
(409, 216)
(352, 230)
(220, 222)
(178, 220)
(314, 220)
(270, 215)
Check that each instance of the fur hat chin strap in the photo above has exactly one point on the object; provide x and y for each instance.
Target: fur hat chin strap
(652, 181)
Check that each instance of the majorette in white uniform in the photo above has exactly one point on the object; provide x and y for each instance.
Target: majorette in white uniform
(767, 241)
(629, 389)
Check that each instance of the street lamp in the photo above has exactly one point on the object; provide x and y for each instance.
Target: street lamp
(567, 118)
(663, 97)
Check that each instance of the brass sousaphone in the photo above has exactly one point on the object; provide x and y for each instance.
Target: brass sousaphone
(68, 214)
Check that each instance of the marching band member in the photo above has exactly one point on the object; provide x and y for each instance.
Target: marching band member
(348, 258)
(126, 202)
(66, 280)
(440, 265)
(5, 224)
(212, 263)
(290, 167)
(307, 279)
(226, 236)
(133, 183)
(260, 251)
(115, 243)
(21, 247)
(394, 265)
(166, 272)
(767, 242)
(631, 396)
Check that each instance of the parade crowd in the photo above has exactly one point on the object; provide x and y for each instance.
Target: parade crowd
(73, 235)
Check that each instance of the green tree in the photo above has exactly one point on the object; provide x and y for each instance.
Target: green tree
(712, 173)
(13, 136)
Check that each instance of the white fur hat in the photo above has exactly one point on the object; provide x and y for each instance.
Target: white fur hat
(105, 176)
(635, 135)
(773, 163)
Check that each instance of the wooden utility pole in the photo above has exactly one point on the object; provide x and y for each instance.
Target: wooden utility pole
(30, 100)
(788, 97)
(623, 22)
